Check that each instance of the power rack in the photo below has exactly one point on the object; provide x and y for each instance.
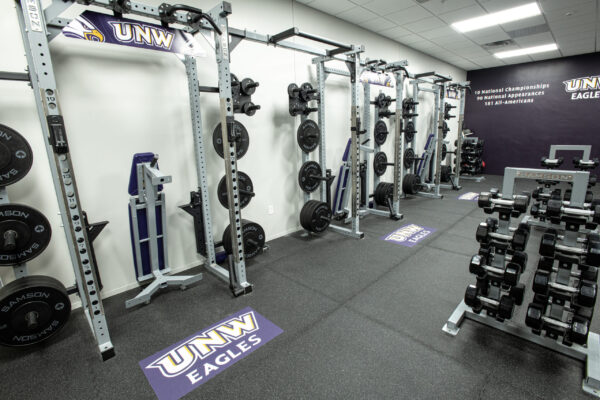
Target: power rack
(461, 88)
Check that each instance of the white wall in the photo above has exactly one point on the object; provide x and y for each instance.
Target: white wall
(118, 101)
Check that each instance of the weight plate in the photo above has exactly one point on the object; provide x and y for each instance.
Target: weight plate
(242, 143)
(308, 135)
(245, 187)
(309, 176)
(444, 151)
(32, 309)
(383, 191)
(315, 216)
(306, 93)
(253, 238)
(292, 90)
(24, 233)
(409, 157)
(16, 157)
(247, 85)
(379, 163)
(409, 131)
(411, 183)
(380, 132)
(445, 130)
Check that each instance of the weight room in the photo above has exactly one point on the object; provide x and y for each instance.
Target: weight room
(299, 199)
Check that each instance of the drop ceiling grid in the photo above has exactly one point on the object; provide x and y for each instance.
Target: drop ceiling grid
(426, 26)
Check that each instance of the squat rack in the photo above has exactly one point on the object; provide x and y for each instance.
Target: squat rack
(437, 86)
(461, 88)
(397, 69)
(590, 354)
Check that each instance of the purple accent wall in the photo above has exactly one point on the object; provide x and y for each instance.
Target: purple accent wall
(519, 126)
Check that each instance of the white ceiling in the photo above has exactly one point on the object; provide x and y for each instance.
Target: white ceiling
(574, 25)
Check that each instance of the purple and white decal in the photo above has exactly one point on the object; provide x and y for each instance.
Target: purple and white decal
(471, 196)
(182, 367)
(105, 28)
(409, 235)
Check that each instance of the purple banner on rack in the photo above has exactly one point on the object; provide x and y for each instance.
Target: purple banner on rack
(408, 235)
(104, 28)
(182, 367)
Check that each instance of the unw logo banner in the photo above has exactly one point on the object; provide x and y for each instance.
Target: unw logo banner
(179, 369)
(104, 28)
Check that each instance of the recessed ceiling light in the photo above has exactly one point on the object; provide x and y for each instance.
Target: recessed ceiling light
(527, 50)
(497, 18)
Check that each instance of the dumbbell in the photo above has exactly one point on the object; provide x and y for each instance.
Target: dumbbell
(576, 331)
(583, 295)
(556, 209)
(518, 240)
(589, 198)
(503, 307)
(585, 165)
(488, 200)
(591, 251)
(586, 272)
(551, 163)
(509, 275)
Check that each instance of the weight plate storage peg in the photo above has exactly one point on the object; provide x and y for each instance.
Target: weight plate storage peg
(253, 238)
(380, 132)
(308, 135)
(245, 188)
(16, 157)
(315, 216)
(380, 163)
(242, 142)
(309, 176)
(24, 233)
(32, 309)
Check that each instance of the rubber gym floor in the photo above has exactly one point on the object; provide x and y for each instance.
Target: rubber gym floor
(362, 319)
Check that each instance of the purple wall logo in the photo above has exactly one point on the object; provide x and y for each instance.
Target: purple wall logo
(409, 235)
(105, 28)
(471, 196)
(179, 369)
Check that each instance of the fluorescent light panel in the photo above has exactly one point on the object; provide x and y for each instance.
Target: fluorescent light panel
(527, 50)
(497, 18)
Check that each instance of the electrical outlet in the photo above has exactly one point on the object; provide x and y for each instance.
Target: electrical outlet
(270, 209)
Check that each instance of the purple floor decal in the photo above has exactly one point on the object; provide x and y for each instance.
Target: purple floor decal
(471, 196)
(182, 367)
(409, 235)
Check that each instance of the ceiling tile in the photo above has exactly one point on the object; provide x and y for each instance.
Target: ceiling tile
(467, 65)
(524, 23)
(426, 24)
(492, 31)
(378, 24)
(545, 56)
(574, 8)
(361, 2)
(411, 39)
(574, 52)
(386, 7)
(451, 38)
(332, 7)
(396, 32)
(409, 15)
(534, 40)
(463, 13)
(357, 15)
(500, 5)
(304, 1)
(553, 5)
(442, 32)
(494, 37)
(458, 45)
(444, 6)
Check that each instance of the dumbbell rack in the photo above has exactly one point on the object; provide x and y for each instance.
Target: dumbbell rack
(590, 354)
(366, 139)
(586, 149)
(461, 87)
(437, 86)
